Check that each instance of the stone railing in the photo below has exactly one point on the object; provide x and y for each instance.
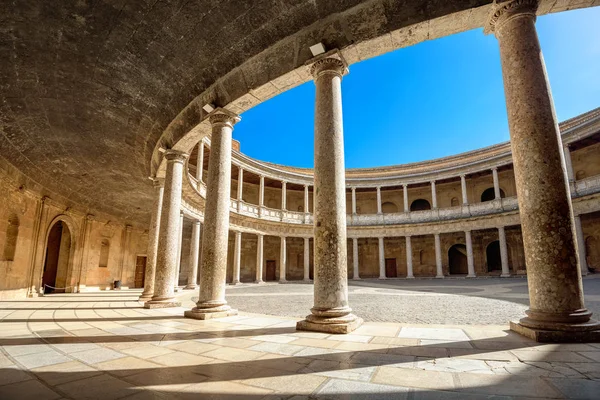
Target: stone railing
(586, 186)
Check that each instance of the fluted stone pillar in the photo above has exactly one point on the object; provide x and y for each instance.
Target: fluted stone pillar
(463, 187)
(557, 311)
(405, 197)
(259, 258)
(192, 276)
(409, 259)
(306, 259)
(168, 237)
(356, 272)
(211, 302)
(438, 256)
(200, 161)
(353, 201)
(159, 187)
(433, 195)
(379, 200)
(331, 312)
(470, 263)
(179, 246)
(381, 247)
(282, 259)
(580, 245)
(503, 252)
(237, 258)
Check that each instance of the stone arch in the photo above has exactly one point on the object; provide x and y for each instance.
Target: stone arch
(300, 208)
(12, 234)
(65, 250)
(592, 253)
(489, 194)
(492, 256)
(457, 259)
(389, 207)
(421, 257)
(579, 175)
(104, 253)
(420, 205)
(454, 202)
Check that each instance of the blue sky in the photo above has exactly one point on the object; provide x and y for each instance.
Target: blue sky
(431, 100)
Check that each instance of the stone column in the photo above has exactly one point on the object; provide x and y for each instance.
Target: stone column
(557, 311)
(470, 263)
(237, 258)
(463, 186)
(409, 259)
(503, 252)
(200, 161)
(331, 312)
(356, 274)
(496, 184)
(381, 258)
(192, 276)
(433, 196)
(168, 237)
(568, 163)
(153, 231)
(261, 195)
(353, 201)
(580, 245)
(283, 196)
(178, 269)
(379, 200)
(405, 195)
(282, 259)
(306, 259)
(211, 302)
(240, 189)
(259, 258)
(438, 256)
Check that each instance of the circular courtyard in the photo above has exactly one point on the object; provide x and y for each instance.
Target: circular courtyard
(490, 301)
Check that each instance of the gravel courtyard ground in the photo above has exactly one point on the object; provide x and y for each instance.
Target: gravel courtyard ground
(423, 301)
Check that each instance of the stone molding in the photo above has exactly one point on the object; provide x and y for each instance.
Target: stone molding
(176, 156)
(505, 10)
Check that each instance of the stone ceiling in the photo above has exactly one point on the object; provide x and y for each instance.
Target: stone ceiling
(89, 86)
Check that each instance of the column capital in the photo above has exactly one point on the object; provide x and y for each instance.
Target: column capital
(432, 181)
(405, 185)
(197, 222)
(331, 62)
(504, 10)
(175, 155)
(353, 188)
(463, 176)
(283, 183)
(221, 116)
(495, 169)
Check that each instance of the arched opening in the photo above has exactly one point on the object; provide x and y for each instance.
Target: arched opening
(457, 260)
(420, 205)
(454, 202)
(389, 207)
(58, 255)
(104, 251)
(579, 175)
(12, 233)
(489, 195)
(492, 256)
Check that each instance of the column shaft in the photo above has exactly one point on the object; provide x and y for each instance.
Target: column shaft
(356, 272)
(463, 186)
(153, 231)
(433, 195)
(470, 263)
(381, 258)
(261, 192)
(307, 259)
(259, 258)
(283, 196)
(580, 245)
(353, 200)
(331, 312)
(496, 184)
(405, 196)
(379, 200)
(568, 163)
(211, 302)
(240, 188)
(503, 252)
(438, 256)
(200, 161)
(166, 254)
(237, 258)
(282, 259)
(409, 259)
(192, 276)
(180, 245)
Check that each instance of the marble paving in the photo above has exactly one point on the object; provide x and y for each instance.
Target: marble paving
(107, 346)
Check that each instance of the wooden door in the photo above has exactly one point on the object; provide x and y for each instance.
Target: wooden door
(271, 270)
(140, 271)
(390, 268)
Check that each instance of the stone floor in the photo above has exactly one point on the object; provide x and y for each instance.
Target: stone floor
(420, 301)
(106, 346)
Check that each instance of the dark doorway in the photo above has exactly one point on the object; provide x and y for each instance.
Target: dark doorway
(56, 263)
(457, 260)
(140, 271)
(271, 270)
(489, 194)
(390, 268)
(420, 205)
(492, 256)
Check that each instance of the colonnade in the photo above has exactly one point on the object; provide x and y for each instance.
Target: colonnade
(557, 310)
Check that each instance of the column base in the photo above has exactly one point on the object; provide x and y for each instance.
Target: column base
(169, 303)
(439, 276)
(190, 287)
(505, 276)
(235, 283)
(358, 278)
(203, 314)
(471, 276)
(382, 278)
(283, 281)
(145, 297)
(307, 280)
(579, 333)
(410, 277)
(340, 328)
(177, 289)
(261, 282)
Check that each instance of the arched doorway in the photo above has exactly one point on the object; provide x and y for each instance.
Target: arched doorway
(58, 256)
(457, 260)
(420, 205)
(489, 194)
(492, 256)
